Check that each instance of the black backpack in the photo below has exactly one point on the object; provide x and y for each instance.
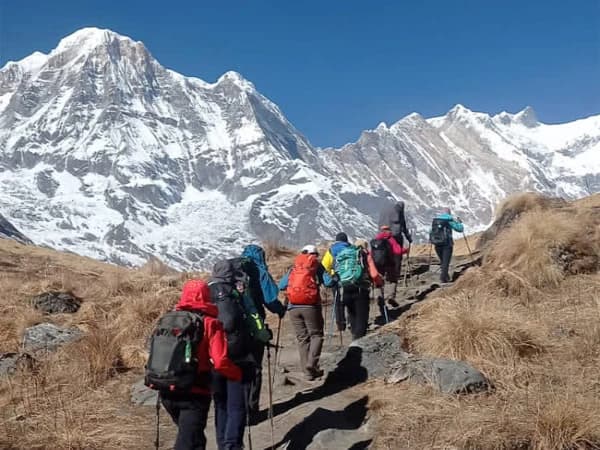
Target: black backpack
(381, 251)
(440, 233)
(173, 363)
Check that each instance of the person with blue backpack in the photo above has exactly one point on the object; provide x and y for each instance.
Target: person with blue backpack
(329, 262)
(264, 293)
(440, 237)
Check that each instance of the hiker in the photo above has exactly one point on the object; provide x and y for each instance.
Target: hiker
(189, 408)
(393, 217)
(264, 293)
(301, 285)
(356, 296)
(229, 288)
(328, 263)
(441, 238)
(385, 250)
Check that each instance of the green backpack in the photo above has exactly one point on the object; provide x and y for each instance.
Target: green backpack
(349, 266)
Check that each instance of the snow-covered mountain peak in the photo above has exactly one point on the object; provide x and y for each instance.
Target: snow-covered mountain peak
(527, 117)
(29, 64)
(237, 79)
(86, 39)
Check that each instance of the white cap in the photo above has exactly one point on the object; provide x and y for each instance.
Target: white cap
(310, 249)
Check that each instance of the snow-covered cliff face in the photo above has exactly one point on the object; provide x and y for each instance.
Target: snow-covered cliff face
(106, 153)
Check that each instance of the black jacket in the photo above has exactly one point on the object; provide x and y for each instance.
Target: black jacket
(393, 216)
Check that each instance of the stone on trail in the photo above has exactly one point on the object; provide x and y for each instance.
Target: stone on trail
(48, 336)
(382, 357)
(56, 302)
(447, 375)
(142, 395)
(11, 362)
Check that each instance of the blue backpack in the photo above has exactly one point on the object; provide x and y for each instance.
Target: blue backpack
(268, 286)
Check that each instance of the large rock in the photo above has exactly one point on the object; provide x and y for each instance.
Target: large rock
(11, 362)
(142, 395)
(56, 302)
(448, 376)
(382, 356)
(47, 336)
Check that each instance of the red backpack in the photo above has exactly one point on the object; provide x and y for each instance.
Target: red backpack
(302, 286)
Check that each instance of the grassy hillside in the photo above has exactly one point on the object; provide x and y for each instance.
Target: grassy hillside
(529, 318)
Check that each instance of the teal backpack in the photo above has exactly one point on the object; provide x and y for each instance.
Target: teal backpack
(349, 266)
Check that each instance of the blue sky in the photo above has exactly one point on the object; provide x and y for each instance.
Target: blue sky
(338, 67)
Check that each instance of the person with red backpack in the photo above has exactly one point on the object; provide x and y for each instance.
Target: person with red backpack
(187, 345)
(301, 285)
(386, 251)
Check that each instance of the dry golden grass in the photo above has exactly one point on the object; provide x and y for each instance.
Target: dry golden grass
(77, 397)
(529, 319)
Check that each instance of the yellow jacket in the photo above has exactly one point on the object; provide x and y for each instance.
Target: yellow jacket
(327, 262)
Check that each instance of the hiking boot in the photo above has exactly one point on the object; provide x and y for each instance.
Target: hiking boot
(312, 374)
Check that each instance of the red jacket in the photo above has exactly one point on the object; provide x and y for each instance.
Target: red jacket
(212, 352)
(397, 249)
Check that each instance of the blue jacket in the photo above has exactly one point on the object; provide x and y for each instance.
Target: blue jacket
(456, 226)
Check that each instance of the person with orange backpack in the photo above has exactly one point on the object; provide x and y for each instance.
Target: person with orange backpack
(301, 285)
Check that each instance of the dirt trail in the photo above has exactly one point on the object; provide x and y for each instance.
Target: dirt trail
(330, 413)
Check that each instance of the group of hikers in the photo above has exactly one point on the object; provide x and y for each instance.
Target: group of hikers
(212, 345)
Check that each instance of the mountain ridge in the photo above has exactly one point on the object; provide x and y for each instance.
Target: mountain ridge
(107, 153)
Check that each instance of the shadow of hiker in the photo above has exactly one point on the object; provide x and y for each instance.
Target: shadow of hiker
(347, 373)
(350, 418)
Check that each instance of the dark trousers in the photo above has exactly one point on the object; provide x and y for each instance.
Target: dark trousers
(230, 413)
(444, 253)
(258, 353)
(189, 412)
(308, 326)
(357, 301)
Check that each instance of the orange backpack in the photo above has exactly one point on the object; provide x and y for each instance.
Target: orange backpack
(302, 286)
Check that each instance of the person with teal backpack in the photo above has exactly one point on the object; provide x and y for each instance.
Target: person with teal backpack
(328, 262)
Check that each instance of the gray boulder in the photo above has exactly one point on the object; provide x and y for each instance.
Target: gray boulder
(11, 362)
(142, 395)
(56, 302)
(382, 356)
(47, 336)
(448, 376)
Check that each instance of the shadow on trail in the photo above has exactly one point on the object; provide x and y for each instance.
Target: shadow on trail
(350, 418)
(347, 373)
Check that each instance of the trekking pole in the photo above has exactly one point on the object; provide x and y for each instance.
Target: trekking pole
(407, 265)
(248, 420)
(277, 354)
(270, 397)
(430, 250)
(333, 314)
(468, 246)
(157, 441)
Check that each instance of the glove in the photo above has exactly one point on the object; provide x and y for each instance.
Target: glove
(281, 313)
(409, 239)
(335, 278)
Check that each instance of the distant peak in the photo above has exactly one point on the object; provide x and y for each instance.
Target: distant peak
(31, 63)
(381, 127)
(459, 109)
(527, 117)
(235, 78)
(90, 37)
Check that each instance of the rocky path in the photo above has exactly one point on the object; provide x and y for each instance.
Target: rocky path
(330, 413)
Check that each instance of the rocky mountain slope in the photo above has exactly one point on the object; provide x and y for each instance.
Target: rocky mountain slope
(8, 231)
(106, 153)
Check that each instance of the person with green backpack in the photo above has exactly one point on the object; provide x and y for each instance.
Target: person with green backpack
(244, 329)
